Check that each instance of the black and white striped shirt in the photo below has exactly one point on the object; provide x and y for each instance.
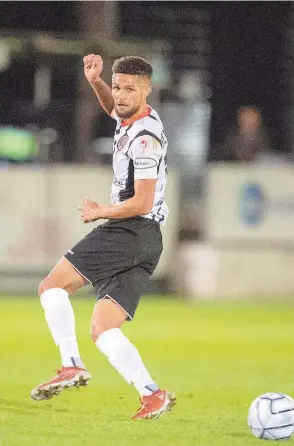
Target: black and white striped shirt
(140, 152)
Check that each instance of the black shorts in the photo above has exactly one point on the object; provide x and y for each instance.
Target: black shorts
(118, 257)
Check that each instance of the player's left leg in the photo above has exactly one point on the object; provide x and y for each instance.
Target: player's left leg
(54, 293)
(107, 320)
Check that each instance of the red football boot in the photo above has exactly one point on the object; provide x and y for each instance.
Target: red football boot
(65, 378)
(155, 405)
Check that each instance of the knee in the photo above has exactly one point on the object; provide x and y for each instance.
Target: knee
(48, 284)
(43, 286)
(97, 330)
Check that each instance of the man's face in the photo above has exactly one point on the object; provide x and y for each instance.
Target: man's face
(129, 93)
(249, 120)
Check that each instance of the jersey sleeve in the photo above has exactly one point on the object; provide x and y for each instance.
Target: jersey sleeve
(146, 153)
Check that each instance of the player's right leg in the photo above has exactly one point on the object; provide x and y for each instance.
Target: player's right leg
(110, 312)
(54, 292)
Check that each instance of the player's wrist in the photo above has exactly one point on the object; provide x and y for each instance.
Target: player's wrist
(100, 213)
(95, 82)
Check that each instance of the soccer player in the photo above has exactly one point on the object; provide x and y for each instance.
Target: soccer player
(119, 256)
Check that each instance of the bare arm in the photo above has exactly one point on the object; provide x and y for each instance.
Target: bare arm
(103, 93)
(141, 203)
(93, 66)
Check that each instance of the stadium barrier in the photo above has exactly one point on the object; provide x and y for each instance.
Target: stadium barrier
(39, 220)
(248, 247)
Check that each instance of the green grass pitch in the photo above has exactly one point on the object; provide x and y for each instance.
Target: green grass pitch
(216, 356)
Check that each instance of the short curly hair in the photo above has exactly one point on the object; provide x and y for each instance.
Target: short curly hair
(132, 65)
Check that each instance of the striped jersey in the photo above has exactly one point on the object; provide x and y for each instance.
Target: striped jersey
(140, 152)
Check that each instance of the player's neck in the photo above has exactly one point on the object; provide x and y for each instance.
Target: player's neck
(141, 113)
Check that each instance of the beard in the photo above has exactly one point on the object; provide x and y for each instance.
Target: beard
(127, 113)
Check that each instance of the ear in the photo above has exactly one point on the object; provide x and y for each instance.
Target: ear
(148, 91)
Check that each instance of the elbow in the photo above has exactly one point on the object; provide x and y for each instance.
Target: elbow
(146, 208)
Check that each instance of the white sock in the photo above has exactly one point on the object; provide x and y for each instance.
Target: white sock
(126, 360)
(61, 322)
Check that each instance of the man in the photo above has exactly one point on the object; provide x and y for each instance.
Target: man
(247, 141)
(120, 255)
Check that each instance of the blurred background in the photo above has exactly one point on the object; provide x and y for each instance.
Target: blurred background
(223, 86)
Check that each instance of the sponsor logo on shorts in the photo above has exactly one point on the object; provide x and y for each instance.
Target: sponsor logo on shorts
(145, 163)
(70, 252)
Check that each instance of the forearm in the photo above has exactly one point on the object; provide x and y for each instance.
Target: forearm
(140, 204)
(104, 95)
(129, 208)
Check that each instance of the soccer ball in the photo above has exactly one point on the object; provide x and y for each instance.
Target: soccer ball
(271, 416)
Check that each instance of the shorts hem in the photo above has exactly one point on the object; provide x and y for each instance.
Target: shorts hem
(78, 271)
(111, 298)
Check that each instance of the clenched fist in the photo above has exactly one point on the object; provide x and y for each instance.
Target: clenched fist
(93, 66)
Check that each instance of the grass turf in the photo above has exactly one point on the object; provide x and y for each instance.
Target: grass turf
(216, 356)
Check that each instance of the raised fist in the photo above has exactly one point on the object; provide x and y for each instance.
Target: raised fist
(93, 66)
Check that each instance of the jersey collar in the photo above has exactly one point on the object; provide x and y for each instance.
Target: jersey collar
(132, 120)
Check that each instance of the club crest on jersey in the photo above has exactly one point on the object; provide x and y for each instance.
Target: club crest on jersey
(122, 142)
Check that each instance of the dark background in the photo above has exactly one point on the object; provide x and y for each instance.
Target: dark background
(247, 61)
